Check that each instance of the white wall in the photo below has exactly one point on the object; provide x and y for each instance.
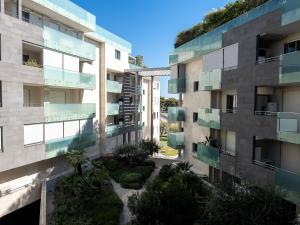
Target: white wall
(113, 63)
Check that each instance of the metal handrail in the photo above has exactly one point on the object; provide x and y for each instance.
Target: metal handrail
(268, 60)
(265, 113)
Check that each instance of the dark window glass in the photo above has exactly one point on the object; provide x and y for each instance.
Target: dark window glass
(195, 117)
(290, 47)
(194, 148)
(118, 54)
(196, 86)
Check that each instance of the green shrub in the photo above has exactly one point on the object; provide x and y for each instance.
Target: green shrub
(131, 180)
(145, 171)
(148, 163)
(217, 18)
(78, 204)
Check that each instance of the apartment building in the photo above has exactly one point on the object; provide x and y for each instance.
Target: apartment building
(63, 86)
(239, 92)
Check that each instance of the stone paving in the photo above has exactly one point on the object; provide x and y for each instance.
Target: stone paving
(125, 193)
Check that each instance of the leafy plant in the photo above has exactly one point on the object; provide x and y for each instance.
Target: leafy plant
(32, 62)
(217, 18)
(211, 142)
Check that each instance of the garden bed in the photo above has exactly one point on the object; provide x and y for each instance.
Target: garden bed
(129, 176)
(88, 199)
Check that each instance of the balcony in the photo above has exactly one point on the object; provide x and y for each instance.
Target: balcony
(176, 140)
(291, 12)
(289, 68)
(288, 127)
(112, 130)
(114, 87)
(62, 42)
(208, 155)
(113, 109)
(63, 112)
(209, 81)
(209, 118)
(176, 86)
(176, 114)
(289, 183)
(61, 146)
(64, 78)
(66, 10)
(139, 90)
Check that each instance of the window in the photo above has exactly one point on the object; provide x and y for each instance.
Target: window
(1, 139)
(124, 138)
(195, 117)
(292, 47)
(129, 138)
(154, 85)
(231, 103)
(154, 115)
(194, 148)
(196, 85)
(157, 86)
(33, 134)
(117, 54)
(157, 115)
(143, 91)
(143, 108)
(108, 77)
(26, 16)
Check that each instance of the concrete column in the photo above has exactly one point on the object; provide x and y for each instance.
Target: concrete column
(2, 6)
(20, 9)
(102, 99)
(137, 101)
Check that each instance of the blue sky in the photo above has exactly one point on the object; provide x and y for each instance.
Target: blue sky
(150, 25)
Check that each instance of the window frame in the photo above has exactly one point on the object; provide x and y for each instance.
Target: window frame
(117, 54)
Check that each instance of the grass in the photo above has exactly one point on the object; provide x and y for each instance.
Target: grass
(166, 150)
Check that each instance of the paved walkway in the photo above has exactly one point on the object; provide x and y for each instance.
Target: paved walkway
(125, 193)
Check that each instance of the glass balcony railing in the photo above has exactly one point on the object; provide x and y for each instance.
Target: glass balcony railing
(112, 130)
(105, 36)
(291, 12)
(176, 140)
(208, 155)
(63, 112)
(289, 68)
(139, 90)
(176, 86)
(113, 109)
(176, 114)
(133, 66)
(210, 80)
(62, 42)
(209, 118)
(64, 78)
(71, 11)
(288, 127)
(114, 86)
(212, 40)
(59, 147)
(289, 183)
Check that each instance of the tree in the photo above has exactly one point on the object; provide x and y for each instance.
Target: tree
(174, 128)
(76, 158)
(217, 18)
(172, 198)
(163, 128)
(249, 206)
(148, 147)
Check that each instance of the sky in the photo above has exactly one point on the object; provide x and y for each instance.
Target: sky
(150, 25)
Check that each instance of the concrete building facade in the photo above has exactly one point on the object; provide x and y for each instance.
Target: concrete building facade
(239, 88)
(63, 86)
